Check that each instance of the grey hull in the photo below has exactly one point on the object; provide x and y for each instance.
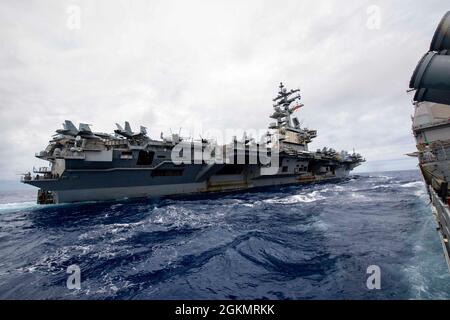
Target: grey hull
(155, 191)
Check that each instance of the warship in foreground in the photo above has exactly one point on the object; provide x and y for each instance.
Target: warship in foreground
(89, 166)
(431, 126)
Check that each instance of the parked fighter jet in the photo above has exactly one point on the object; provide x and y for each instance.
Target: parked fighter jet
(128, 133)
(83, 130)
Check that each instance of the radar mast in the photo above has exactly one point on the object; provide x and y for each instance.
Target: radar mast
(282, 107)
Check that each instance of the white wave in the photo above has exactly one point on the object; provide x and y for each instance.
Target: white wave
(422, 193)
(332, 189)
(115, 206)
(358, 196)
(380, 177)
(114, 231)
(412, 184)
(17, 206)
(185, 217)
(158, 220)
(418, 282)
(382, 186)
(52, 261)
(306, 198)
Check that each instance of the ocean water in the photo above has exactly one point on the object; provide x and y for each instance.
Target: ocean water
(297, 242)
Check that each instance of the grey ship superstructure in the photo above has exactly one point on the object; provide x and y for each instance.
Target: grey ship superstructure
(431, 126)
(90, 166)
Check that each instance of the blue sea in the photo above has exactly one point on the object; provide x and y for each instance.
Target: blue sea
(298, 242)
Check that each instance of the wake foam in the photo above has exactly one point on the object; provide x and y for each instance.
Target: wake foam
(7, 207)
(414, 184)
(298, 198)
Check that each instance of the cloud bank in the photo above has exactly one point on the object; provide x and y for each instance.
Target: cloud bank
(212, 65)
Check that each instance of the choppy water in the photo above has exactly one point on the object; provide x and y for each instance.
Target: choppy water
(310, 242)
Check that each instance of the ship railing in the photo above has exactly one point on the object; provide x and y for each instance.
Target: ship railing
(26, 177)
(41, 154)
(46, 177)
(115, 143)
(438, 151)
(431, 124)
(43, 170)
(63, 154)
(72, 155)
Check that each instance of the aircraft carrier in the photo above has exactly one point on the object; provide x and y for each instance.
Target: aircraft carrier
(92, 166)
(431, 126)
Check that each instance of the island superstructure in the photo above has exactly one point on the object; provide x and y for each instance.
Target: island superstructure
(91, 166)
(431, 126)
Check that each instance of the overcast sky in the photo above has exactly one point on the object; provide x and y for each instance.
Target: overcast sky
(212, 65)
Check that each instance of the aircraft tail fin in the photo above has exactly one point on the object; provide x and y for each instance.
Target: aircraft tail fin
(128, 128)
(68, 125)
(84, 127)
